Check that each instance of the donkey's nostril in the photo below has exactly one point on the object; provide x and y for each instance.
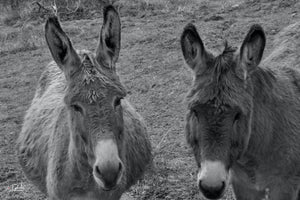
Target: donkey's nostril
(110, 174)
(212, 192)
(98, 172)
(120, 167)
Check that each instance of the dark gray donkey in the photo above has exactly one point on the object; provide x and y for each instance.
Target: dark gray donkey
(243, 120)
(81, 139)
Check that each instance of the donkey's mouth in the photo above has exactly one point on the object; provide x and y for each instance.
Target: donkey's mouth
(104, 187)
(107, 189)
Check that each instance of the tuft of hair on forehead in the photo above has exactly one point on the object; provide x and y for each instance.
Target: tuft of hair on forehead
(224, 61)
(226, 56)
(228, 49)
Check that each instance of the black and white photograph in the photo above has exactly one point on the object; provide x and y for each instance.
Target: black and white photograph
(149, 100)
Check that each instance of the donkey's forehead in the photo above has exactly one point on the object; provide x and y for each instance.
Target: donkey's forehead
(96, 88)
(221, 87)
(83, 52)
(95, 82)
(227, 92)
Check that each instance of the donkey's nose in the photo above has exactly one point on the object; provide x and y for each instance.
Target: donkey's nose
(109, 174)
(212, 192)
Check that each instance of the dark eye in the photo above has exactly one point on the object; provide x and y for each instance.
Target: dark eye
(117, 101)
(194, 111)
(83, 137)
(77, 108)
(237, 117)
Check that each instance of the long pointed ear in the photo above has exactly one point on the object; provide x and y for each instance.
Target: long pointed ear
(192, 48)
(61, 47)
(252, 48)
(109, 45)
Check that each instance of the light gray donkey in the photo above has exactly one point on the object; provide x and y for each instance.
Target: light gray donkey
(81, 139)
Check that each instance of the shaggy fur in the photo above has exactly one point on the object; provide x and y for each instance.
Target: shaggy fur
(246, 113)
(55, 146)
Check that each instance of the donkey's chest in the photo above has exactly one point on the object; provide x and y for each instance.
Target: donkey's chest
(81, 189)
(255, 175)
(94, 194)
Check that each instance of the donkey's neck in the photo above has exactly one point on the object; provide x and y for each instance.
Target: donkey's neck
(263, 82)
(272, 109)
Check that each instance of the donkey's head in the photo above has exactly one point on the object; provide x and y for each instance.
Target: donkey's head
(93, 98)
(220, 105)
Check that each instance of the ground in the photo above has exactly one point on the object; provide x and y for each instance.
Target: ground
(151, 67)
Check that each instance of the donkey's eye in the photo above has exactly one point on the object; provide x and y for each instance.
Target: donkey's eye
(194, 112)
(77, 108)
(237, 117)
(117, 102)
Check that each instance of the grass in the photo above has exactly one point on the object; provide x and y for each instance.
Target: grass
(20, 32)
(142, 7)
(21, 39)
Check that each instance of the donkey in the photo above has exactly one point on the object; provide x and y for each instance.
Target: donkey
(81, 139)
(243, 120)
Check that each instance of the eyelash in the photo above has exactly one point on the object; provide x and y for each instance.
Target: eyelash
(117, 101)
(77, 108)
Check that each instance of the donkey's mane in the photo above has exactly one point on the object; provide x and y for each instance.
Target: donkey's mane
(263, 80)
(226, 54)
(262, 77)
(224, 61)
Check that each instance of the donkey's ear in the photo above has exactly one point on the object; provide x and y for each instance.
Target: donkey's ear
(108, 49)
(192, 48)
(252, 49)
(61, 47)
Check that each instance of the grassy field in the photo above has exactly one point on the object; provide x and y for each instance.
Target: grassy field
(150, 66)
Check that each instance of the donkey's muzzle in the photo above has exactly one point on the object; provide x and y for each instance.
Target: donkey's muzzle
(109, 174)
(108, 167)
(210, 192)
(213, 179)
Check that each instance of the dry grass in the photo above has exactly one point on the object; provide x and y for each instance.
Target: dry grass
(24, 31)
(25, 38)
(144, 7)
